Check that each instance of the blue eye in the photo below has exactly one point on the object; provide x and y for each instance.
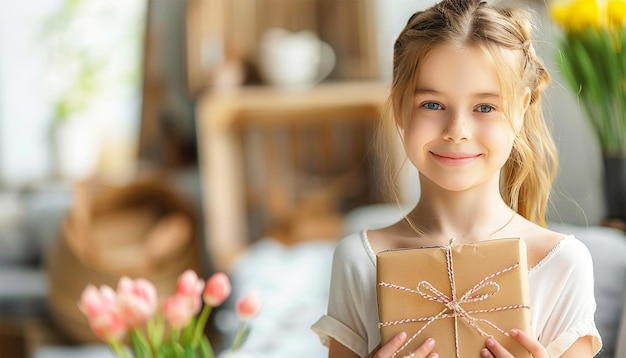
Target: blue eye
(434, 106)
(485, 108)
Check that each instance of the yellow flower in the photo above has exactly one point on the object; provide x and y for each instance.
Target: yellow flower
(616, 12)
(560, 12)
(577, 15)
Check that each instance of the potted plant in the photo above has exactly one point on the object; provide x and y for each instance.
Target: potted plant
(592, 58)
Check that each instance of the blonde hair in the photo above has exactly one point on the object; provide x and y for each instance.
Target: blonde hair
(528, 173)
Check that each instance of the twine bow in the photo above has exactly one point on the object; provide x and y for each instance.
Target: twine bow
(452, 305)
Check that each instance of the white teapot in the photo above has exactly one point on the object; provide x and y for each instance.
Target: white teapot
(294, 60)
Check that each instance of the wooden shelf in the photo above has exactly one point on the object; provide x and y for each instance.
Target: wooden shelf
(223, 119)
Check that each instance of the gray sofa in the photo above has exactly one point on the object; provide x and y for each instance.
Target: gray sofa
(608, 249)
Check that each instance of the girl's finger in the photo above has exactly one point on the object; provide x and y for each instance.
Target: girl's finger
(424, 350)
(396, 342)
(496, 349)
(530, 343)
(391, 347)
(485, 353)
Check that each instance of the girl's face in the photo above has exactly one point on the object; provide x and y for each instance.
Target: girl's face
(458, 136)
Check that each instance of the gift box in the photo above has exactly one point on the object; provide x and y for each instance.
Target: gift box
(457, 294)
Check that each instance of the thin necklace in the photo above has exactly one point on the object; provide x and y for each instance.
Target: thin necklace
(420, 232)
(503, 226)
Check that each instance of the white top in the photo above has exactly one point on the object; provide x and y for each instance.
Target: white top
(561, 296)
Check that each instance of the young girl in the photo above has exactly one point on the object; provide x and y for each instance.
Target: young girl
(465, 99)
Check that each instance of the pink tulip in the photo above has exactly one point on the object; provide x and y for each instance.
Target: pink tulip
(178, 310)
(109, 326)
(94, 300)
(137, 300)
(191, 286)
(217, 289)
(100, 307)
(249, 306)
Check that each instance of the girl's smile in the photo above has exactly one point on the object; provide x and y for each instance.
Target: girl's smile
(455, 158)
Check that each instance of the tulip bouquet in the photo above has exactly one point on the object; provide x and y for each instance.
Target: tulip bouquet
(173, 329)
(593, 61)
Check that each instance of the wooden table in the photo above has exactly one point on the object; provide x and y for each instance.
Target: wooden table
(222, 115)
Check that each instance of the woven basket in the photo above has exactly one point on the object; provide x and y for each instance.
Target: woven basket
(144, 229)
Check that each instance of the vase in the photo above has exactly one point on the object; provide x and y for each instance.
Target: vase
(615, 187)
(294, 60)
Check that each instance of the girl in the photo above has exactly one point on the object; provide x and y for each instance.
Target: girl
(465, 98)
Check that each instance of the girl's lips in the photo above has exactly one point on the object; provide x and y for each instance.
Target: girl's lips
(455, 158)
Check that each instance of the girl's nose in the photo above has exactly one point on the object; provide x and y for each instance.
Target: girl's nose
(458, 129)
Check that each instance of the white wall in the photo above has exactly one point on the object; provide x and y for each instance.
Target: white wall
(23, 113)
(31, 76)
(392, 16)
(577, 197)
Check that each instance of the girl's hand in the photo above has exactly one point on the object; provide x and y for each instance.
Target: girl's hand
(496, 350)
(386, 351)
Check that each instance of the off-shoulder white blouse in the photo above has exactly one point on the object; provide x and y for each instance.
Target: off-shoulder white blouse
(561, 293)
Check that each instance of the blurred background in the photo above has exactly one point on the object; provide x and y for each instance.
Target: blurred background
(144, 137)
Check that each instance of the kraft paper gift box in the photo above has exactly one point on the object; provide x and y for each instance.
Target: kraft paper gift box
(459, 295)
